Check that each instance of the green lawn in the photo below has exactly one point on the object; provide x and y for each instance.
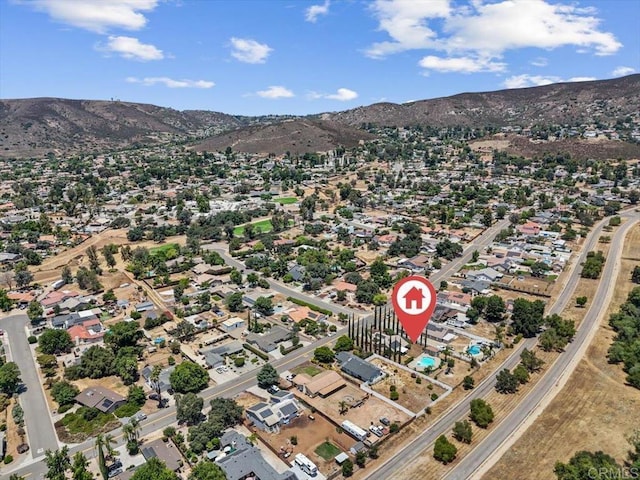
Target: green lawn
(327, 450)
(285, 200)
(263, 225)
(310, 370)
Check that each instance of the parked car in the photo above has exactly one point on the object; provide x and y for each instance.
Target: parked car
(273, 389)
(311, 417)
(140, 416)
(385, 421)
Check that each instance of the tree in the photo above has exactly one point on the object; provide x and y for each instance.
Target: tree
(189, 377)
(521, 374)
(189, 408)
(588, 465)
(35, 310)
(366, 291)
(226, 411)
(131, 431)
(64, 393)
(361, 458)
(66, 274)
(347, 468)
(324, 355)
(109, 258)
(9, 378)
(236, 277)
(6, 303)
(55, 342)
(635, 275)
(462, 431)
(475, 256)
(481, 413)
(154, 469)
(22, 277)
(380, 273)
(94, 260)
(79, 467)
(506, 382)
(123, 334)
(581, 301)
(155, 383)
(57, 463)
(343, 344)
(267, 376)
(495, 309)
(527, 317)
(530, 361)
(444, 451)
(468, 382)
(264, 305)
(234, 302)
(207, 471)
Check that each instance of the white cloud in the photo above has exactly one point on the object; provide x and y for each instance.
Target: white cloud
(131, 48)
(460, 64)
(275, 91)
(342, 95)
(98, 15)
(623, 71)
(539, 62)
(314, 11)
(486, 31)
(170, 83)
(525, 80)
(249, 51)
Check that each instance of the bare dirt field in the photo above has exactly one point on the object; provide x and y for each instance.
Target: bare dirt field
(412, 395)
(309, 434)
(594, 411)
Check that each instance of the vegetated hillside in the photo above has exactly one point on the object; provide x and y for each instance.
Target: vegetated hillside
(39, 125)
(295, 136)
(558, 103)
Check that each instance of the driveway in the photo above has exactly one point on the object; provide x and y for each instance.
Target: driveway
(40, 431)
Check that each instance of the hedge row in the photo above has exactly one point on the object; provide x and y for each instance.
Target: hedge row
(313, 307)
(258, 352)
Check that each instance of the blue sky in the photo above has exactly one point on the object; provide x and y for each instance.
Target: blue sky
(293, 56)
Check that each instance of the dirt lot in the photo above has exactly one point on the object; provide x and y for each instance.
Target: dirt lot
(594, 411)
(310, 434)
(413, 396)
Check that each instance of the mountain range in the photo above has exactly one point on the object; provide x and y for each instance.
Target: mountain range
(37, 126)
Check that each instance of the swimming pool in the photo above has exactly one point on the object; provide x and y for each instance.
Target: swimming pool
(426, 362)
(158, 340)
(474, 350)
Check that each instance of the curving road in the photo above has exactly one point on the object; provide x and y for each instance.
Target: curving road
(420, 446)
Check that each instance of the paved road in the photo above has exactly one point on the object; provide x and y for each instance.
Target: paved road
(166, 417)
(40, 431)
(420, 446)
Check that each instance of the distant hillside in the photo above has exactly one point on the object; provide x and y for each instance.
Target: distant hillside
(557, 103)
(295, 136)
(36, 126)
(39, 125)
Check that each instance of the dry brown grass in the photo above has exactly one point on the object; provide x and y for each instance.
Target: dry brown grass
(595, 409)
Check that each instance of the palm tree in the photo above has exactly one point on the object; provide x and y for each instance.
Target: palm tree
(252, 439)
(132, 430)
(108, 441)
(79, 467)
(155, 383)
(499, 334)
(99, 445)
(342, 405)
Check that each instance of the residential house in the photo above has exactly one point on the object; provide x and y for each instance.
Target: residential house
(102, 398)
(297, 273)
(89, 331)
(270, 417)
(440, 334)
(144, 306)
(269, 341)
(241, 460)
(359, 368)
(163, 378)
(167, 452)
(232, 323)
(486, 274)
(323, 384)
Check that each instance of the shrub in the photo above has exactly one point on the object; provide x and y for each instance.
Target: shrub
(8, 459)
(434, 397)
(239, 362)
(394, 428)
(126, 410)
(294, 440)
(171, 361)
(394, 395)
(32, 339)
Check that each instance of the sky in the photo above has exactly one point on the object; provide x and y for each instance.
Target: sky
(258, 57)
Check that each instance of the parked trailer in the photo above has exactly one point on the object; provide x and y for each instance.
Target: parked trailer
(58, 284)
(354, 430)
(306, 465)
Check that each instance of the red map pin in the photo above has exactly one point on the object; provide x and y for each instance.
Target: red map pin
(414, 300)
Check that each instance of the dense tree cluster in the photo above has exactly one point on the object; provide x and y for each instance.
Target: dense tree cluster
(593, 265)
(626, 345)
(527, 317)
